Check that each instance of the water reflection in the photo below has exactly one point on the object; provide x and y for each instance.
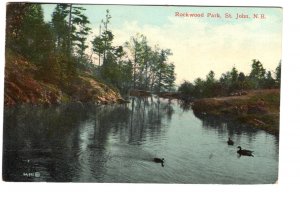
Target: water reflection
(117, 143)
(226, 128)
(33, 139)
(185, 106)
(46, 137)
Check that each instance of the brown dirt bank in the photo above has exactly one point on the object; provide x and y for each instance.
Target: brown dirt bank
(259, 108)
(22, 86)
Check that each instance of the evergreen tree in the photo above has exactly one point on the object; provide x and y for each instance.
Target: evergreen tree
(269, 81)
(15, 14)
(98, 47)
(242, 81)
(186, 88)
(107, 35)
(70, 27)
(226, 83)
(80, 35)
(199, 85)
(257, 74)
(210, 77)
(278, 73)
(35, 38)
(60, 28)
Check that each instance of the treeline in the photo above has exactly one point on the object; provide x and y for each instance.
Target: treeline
(135, 65)
(60, 49)
(232, 82)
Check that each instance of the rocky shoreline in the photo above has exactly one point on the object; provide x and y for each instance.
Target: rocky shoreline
(23, 86)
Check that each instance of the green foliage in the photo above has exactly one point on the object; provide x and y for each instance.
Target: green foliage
(269, 82)
(232, 82)
(257, 74)
(107, 36)
(59, 48)
(278, 74)
(187, 88)
(27, 33)
(170, 78)
(15, 14)
(199, 86)
(210, 83)
(151, 69)
(59, 51)
(111, 71)
(102, 45)
(60, 28)
(80, 36)
(70, 36)
(98, 47)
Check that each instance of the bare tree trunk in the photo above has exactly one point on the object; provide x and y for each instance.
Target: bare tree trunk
(70, 32)
(134, 66)
(99, 51)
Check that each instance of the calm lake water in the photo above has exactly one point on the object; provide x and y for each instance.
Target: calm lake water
(117, 143)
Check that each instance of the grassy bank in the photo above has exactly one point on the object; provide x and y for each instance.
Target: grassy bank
(259, 108)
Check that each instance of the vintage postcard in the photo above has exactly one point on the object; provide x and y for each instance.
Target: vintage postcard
(141, 94)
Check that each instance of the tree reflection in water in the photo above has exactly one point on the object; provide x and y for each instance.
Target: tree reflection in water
(225, 126)
(117, 143)
(40, 138)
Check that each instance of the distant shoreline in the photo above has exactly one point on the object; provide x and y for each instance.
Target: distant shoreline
(259, 108)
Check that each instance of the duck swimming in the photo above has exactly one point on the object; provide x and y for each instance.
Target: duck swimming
(244, 152)
(230, 142)
(159, 160)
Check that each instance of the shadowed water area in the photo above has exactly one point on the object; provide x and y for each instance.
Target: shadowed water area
(117, 143)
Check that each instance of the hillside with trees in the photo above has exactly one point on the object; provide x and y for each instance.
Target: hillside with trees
(48, 62)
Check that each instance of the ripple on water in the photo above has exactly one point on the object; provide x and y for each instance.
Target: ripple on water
(118, 144)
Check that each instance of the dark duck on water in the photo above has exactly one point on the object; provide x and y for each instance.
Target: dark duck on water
(159, 160)
(230, 142)
(244, 152)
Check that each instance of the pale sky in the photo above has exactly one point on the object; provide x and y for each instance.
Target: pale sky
(199, 44)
